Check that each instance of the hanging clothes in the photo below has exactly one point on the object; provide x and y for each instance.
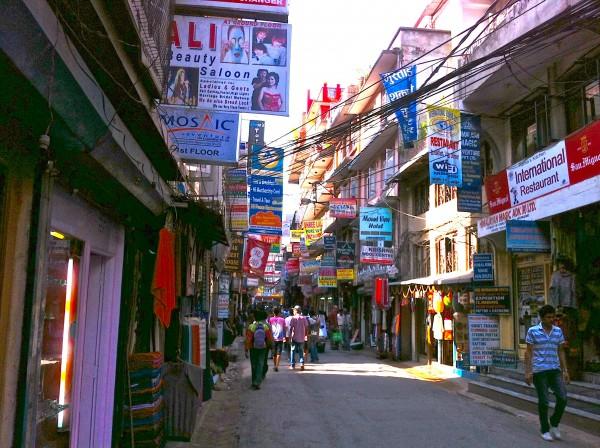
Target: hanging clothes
(163, 282)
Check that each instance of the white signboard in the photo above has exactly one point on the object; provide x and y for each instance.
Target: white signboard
(229, 65)
(543, 173)
(207, 137)
(270, 6)
(484, 338)
(573, 196)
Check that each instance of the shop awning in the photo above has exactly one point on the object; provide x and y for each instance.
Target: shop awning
(441, 279)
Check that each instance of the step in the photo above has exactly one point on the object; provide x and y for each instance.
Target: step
(577, 401)
(577, 418)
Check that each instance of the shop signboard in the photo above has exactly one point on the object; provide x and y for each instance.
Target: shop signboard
(266, 161)
(329, 242)
(505, 358)
(229, 65)
(443, 141)
(468, 197)
(200, 136)
(484, 339)
(376, 224)
(398, 84)
(483, 267)
(256, 133)
(267, 6)
(583, 153)
(223, 306)
(292, 265)
(233, 262)
(313, 230)
(492, 300)
(295, 235)
(327, 277)
(528, 236)
(308, 266)
(345, 260)
(236, 192)
(295, 249)
(266, 201)
(377, 255)
(497, 192)
(342, 208)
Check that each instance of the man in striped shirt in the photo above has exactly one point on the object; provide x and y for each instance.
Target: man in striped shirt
(546, 367)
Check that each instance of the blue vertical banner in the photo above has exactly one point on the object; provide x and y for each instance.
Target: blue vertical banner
(398, 84)
(443, 141)
(469, 195)
(266, 202)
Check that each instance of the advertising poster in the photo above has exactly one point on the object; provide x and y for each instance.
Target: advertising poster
(229, 65)
(309, 266)
(375, 224)
(266, 199)
(199, 136)
(345, 260)
(292, 266)
(377, 255)
(342, 208)
(256, 254)
(266, 161)
(296, 235)
(270, 6)
(492, 300)
(443, 140)
(484, 339)
(468, 197)
(233, 262)
(327, 277)
(236, 194)
(398, 84)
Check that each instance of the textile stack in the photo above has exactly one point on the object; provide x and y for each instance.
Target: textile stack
(144, 412)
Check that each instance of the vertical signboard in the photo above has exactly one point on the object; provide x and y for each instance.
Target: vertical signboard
(233, 262)
(266, 201)
(483, 267)
(468, 197)
(345, 260)
(443, 139)
(484, 339)
(229, 65)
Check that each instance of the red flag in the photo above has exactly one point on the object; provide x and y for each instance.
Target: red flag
(255, 256)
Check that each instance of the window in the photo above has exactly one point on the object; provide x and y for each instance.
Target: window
(592, 101)
(389, 164)
(422, 265)
(372, 182)
(354, 187)
(471, 237)
(530, 129)
(421, 197)
(487, 162)
(443, 194)
(446, 256)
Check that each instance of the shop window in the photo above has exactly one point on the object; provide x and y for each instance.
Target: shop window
(421, 197)
(443, 194)
(446, 255)
(58, 341)
(422, 265)
(530, 129)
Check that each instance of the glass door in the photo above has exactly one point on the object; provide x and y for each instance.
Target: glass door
(58, 341)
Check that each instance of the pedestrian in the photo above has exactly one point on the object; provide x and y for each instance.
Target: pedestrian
(546, 367)
(258, 340)
(313, 337)
(333, 327)
(278, 327)
(298, 334)
(288, 321)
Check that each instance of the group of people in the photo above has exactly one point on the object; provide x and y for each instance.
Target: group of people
(340, 326)
(299, 332)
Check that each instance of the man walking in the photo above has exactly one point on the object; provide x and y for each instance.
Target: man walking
(298, 333)
(278, 327)
(258, 340)
(546, 367)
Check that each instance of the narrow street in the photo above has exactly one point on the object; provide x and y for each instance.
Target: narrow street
(352, 399)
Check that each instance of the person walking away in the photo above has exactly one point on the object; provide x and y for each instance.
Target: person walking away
(313, 337)
(258, 340)
(333, 326)
(298, 333)
(278, 327)
(288, 344)
(546, 367)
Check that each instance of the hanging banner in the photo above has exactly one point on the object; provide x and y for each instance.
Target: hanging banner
(484, 339)
(583, 153)
(233, 262)
(256, 254)
(483, 267)
(236, 194)
(313, 231)
(296, 249)
(295, 235)
(528, 236)
(345, 260)
(443, 140)
(304, 253)
(229, 65)
(329, 242)
(273, 240)
(266, 201)
(256, 133)
(199, 136)
(309, 266)
(398, 84)
(342, 208)
(468, 197)
(496, 190)
(375, 224)
(292, 266)
(377, 255)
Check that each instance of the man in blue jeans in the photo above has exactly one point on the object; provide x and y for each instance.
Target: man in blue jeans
(546, 367)
(298, 335)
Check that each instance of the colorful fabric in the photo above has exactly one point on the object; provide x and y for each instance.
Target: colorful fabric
(163, 282)
(278, 327)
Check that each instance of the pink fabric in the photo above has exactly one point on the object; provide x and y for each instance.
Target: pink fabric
(281, 321)
(163, 282)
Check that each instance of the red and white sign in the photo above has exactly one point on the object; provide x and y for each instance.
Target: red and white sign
(292, 265)
(256, 254)
(342, 208)
(583, 153)
(377, 255)
(496, 189)
(382, 297)
(272, 6)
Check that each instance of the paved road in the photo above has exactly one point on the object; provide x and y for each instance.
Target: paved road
(352, 399)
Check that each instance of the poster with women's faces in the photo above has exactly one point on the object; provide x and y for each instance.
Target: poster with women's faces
(229, 65)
